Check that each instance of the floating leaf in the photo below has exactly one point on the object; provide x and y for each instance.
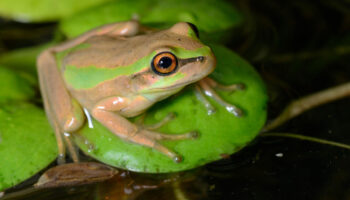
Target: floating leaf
(15, 86)
(220, 133)
(23, 59)
(43, 10)
(27, 143)
(211, 16)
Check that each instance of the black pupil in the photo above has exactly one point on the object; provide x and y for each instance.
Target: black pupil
(165, 62)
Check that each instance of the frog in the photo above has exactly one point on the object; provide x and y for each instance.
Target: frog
(117, 71)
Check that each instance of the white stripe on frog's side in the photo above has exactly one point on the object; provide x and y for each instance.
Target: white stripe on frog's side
(88, 117)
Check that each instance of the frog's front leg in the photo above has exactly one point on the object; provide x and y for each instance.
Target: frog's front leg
(207, 84)
(106, 112)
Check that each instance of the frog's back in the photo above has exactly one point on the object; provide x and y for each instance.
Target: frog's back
(106, 66)
(100, 67)
(101, 52)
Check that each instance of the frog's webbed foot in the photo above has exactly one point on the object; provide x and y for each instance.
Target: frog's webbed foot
(151, 138)
(205, 87)
(148, 131)
(149, 128)
(166, 119)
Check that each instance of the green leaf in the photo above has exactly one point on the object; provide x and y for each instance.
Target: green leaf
(43, 10)
(211, 16)
(15, 86)
(220, 133)
(23, 59)
(27, 143)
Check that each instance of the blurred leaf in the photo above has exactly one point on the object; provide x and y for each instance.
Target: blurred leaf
(15, 86)
(220, 133)
(211, 16)
(23, 59)
(27, 143)
(43, 10)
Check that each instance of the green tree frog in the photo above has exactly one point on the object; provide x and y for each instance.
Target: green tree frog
(117, 71)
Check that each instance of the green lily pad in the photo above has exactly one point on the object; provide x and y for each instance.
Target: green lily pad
(43, 10)
(15, 86)
(27, 143)
(210, 16)
(220, 133)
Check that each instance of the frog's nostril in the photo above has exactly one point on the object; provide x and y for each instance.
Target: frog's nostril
(200, 58)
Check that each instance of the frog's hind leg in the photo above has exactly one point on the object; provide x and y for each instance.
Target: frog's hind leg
(63, 112)
(119, 29)
(149, 129)
(136, 134)
(150, 139)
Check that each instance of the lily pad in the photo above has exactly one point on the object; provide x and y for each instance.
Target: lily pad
(27, 143)
(15, 86)
(211, 16)
(220, 133)
(43, 10)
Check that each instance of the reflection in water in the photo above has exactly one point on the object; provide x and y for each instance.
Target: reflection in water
(124, 185)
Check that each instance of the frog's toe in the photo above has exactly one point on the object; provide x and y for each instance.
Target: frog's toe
(61, 159)
(83, 140)
(211, 111)
(193, 134)
(234, 110)
(241, 86)
(177, 159)
(159, 124)
(232, 88)
(171, 116)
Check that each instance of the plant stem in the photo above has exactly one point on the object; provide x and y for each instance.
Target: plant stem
(301, 105)
(308, 138)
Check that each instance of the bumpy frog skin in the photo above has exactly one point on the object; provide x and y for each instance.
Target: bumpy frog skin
(118, 71)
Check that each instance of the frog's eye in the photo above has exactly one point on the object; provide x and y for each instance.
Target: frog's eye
(164, 63)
